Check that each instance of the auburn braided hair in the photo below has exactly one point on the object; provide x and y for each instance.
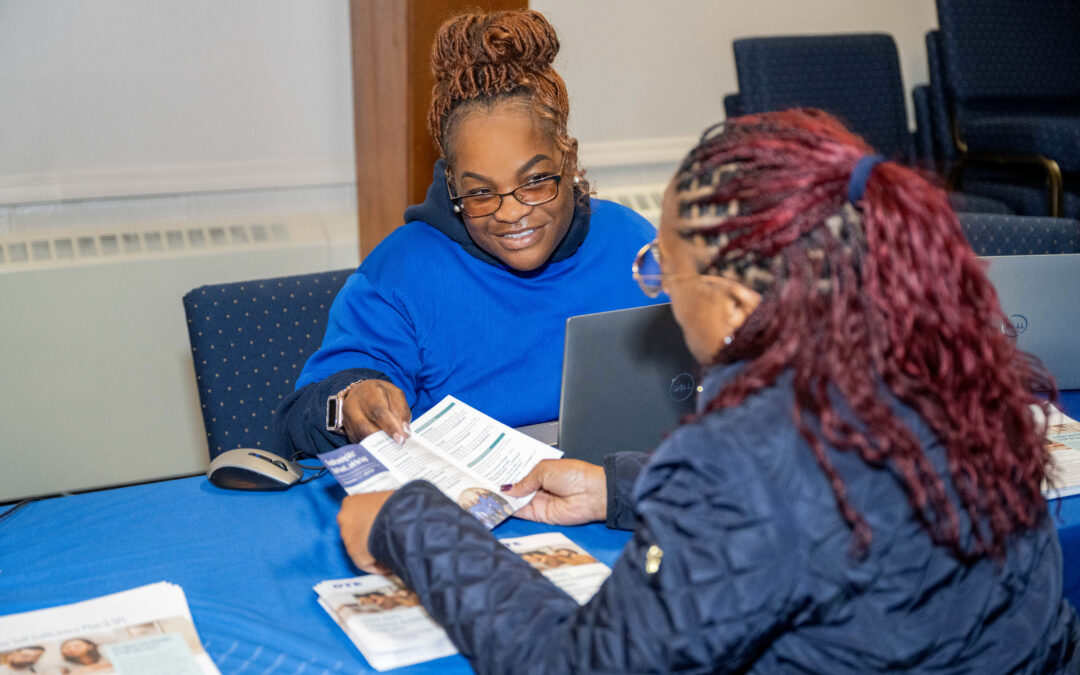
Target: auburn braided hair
(896, 300)
(480, 60)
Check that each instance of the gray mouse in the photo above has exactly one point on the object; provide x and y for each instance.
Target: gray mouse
(253, 469)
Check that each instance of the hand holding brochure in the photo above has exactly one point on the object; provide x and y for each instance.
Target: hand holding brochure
(391, 629)
(142, 630)
(463, 452)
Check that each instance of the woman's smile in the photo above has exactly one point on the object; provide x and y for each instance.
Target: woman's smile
(521, 237)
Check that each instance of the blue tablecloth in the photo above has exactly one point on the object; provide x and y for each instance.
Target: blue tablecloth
(247, 563)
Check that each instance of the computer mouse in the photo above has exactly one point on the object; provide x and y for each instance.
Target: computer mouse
(253, 469)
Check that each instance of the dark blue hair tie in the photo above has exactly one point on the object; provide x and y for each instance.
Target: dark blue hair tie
(860, 174)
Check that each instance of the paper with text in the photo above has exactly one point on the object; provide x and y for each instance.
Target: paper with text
(1063, 441)
(460, 450)
(143, 630)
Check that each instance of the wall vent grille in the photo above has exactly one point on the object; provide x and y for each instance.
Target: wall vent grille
(645, 199)
(83, 247)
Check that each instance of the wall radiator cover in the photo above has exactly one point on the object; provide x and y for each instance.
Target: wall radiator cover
(98, 386)
(645, 199)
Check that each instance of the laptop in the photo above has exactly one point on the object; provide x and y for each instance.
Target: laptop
(1041, 296)
(627, 380)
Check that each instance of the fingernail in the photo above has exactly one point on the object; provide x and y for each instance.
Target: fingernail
(399, 439)
(506, 488)
(408, 429)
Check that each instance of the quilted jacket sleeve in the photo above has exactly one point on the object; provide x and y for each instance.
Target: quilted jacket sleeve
(621, 471)
(705, 582)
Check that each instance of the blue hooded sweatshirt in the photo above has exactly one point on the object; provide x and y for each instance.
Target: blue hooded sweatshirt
(433, 313)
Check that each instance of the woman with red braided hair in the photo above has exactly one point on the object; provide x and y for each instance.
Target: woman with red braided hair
(859, 490)
(470, 297)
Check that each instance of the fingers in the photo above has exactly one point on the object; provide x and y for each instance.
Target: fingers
(355, 520)
(533, 481)
(376, 405)
(527, 512)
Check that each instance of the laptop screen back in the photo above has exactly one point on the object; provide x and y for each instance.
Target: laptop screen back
(1041, 296)
(627, 379)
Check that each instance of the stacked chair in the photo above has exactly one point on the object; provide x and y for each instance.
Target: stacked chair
(1009, 81)
(853, 76)
(1019, 187)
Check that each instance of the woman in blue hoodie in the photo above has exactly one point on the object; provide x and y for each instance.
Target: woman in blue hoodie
(470, 296)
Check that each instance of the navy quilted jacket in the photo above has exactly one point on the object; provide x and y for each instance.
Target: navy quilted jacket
(755, 574)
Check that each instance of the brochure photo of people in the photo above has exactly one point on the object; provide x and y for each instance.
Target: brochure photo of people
(88, 653)
(488, 507)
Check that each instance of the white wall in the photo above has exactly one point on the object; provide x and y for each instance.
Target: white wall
(105, 98)
(641, 69)
(122, 97)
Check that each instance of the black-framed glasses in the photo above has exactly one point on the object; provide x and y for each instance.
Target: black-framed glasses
(648, 274)
(534, 193)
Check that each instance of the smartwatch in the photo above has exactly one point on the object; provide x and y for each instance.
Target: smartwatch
(335, 410)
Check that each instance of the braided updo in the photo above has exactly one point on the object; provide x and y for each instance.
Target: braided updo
(480, 60)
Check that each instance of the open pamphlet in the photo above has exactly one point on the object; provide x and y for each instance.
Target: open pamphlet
(1063, 441)
(462, 451)
(391, 629)
(143, 630)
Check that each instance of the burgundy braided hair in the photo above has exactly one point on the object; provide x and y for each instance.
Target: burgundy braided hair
(907, 306)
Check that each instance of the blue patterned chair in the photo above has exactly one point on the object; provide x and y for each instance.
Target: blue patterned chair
(1021, 187)
(732, 105)
(924, 131)
(854, 76)
(1012, 72)
(249, 341)
(995, 234)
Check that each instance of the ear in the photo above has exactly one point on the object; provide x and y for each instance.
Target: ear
(744, 300)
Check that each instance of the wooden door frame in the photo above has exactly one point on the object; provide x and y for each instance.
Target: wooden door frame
(391, 47)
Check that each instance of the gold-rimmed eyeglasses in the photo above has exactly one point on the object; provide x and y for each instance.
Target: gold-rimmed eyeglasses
(648, 273)
(537, 191)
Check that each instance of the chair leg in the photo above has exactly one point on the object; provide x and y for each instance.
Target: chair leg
(1055, 188)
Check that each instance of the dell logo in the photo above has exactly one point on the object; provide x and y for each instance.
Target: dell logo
(682, 387)
(1015, 326)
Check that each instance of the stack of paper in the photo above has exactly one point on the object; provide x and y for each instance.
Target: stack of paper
(143, 630)
(391, 629)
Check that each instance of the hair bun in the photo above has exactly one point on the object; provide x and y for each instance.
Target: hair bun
(521, 40)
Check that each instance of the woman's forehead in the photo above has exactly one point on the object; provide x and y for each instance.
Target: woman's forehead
(503, 140)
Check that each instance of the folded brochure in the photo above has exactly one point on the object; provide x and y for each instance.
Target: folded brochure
(143, 630)
(462, 451)
(391, 629)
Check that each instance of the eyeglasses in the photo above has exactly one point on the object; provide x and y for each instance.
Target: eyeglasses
(647, 272)
(534, 193)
